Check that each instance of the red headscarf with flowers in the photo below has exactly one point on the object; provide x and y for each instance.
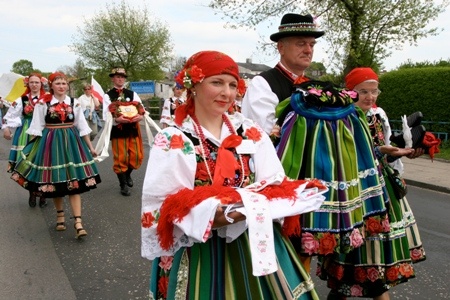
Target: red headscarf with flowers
(41, 79)
(199, 66)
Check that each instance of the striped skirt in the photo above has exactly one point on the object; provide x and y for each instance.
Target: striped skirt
(219, 270)
(57, 164)
(20, 139)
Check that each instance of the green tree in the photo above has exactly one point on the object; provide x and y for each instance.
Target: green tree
(78, 75)
(22, 67)
(124, 37)
(359, 32)
(316, 70)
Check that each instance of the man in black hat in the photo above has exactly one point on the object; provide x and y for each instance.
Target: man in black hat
(126, 140)
(296, 38)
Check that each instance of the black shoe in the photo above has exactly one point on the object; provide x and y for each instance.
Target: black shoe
(124, 190)
(414, 119)
(32, 200)
(129, 180)
(42, 202)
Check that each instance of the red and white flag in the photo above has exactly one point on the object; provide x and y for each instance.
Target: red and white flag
(97, 90)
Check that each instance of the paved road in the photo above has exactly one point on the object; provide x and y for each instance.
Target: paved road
(431, 210)
(36, 262)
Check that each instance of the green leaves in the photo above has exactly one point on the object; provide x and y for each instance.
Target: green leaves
(127, 37)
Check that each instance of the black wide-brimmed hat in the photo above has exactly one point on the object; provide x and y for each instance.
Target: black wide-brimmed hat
(118, 71)
(296, 25)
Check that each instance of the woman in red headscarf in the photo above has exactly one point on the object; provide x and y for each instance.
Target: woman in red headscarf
(19, 117)
(216, 200)
(59, 160)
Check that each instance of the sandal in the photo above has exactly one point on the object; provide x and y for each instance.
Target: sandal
(80, 231)
(60, 226)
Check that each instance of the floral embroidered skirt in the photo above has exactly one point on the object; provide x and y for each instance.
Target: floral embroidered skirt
(57, 164)
(220, 270)
(20, 139)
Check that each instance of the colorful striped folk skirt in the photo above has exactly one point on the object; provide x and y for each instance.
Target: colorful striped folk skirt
(219, 270)
(56, 164)
(20, 139)
(360, 252)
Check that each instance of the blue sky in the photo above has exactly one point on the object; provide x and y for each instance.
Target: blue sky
(40, 31)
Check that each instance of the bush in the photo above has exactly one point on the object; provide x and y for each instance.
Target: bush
(153, 106)
(405, 91)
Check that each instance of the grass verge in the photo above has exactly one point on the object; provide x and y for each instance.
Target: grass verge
(444, 151)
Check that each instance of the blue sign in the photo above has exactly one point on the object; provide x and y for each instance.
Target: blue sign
(143, 87)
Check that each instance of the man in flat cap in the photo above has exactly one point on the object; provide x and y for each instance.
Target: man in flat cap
(296, 38)
(126, 140)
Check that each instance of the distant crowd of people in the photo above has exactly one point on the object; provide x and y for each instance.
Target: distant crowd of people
(243, 185)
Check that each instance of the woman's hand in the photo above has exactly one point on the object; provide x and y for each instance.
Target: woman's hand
(136, 118)
(417, 152)
(220, 220)
(7, 133)
(93, 152)
(122, 119)
(395, 151)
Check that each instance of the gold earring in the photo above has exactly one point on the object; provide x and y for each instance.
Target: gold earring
(194, 93)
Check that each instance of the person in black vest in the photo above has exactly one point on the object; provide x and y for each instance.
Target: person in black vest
(126, 140)
(296, 38)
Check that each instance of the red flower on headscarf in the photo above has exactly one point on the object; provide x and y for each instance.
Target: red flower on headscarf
(189, 77)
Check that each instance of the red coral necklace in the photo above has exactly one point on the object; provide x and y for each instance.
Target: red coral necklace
(206, 152)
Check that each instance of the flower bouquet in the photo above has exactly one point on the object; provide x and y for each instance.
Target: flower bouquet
(128, 109)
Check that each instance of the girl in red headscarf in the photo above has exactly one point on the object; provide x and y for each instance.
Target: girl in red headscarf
(19, 117)
(216, 204)
(59, 160)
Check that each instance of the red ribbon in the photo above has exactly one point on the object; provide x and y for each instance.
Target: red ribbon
(431, 143)
(226, 163)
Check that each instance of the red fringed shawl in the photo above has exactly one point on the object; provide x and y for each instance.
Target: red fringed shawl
(178, 205)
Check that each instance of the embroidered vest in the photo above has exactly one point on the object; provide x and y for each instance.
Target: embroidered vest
(126, 129)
